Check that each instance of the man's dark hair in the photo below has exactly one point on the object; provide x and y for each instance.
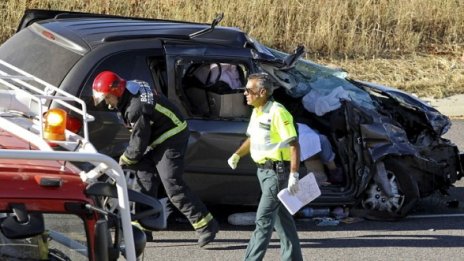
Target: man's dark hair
(263, 81)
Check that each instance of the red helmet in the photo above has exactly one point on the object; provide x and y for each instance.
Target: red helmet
(106, 83)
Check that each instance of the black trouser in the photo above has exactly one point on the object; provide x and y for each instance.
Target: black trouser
(168, 159)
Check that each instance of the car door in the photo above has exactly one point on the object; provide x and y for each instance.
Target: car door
(216, 134)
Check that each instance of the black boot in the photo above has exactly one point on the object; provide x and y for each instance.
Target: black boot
(207, 233)
(149, 236)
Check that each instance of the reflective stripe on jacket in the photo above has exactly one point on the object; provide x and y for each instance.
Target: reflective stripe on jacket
(180, 125)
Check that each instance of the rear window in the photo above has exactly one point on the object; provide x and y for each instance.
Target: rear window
(38, 56)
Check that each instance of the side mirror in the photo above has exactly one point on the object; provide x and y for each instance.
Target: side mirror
(20, 224)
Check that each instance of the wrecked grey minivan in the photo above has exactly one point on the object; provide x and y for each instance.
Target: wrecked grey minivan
(387, 144)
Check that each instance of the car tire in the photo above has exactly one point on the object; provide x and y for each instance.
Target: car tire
(377, 205)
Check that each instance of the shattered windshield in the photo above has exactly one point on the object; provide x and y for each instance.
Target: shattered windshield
(321, 87)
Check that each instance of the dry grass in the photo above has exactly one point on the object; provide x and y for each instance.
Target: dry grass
(434, 76)
(415, 45)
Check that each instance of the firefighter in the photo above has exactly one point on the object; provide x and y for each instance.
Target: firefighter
(159, 137)
(273, 145)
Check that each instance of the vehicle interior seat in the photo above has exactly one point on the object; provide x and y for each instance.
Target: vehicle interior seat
(198, 99)
(214, 98)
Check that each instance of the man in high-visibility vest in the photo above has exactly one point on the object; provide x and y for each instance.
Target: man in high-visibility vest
(158, 140)
(273, 145)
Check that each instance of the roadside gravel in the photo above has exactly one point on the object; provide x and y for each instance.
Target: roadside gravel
(452, 106)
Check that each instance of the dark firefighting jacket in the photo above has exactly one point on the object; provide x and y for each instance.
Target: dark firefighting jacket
(151, 117)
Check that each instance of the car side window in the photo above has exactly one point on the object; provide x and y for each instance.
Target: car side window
(215, 89)
(129, 65)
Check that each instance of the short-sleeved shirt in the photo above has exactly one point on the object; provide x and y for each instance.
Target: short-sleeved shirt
(271, 131)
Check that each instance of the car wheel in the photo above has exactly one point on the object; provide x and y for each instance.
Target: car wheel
(379, 206)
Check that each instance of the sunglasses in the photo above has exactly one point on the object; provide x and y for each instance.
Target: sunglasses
(250, 91)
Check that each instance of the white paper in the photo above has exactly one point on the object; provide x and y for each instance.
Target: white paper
(308, 190)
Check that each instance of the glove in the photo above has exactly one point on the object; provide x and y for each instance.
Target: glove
(233, 160)
(124, 161)
(293, 183)
(121, 161)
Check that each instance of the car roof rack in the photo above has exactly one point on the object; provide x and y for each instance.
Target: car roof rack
(114, 38)
(214, 23)
(22, 103)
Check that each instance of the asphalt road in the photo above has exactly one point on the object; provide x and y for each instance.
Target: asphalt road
(433, 231)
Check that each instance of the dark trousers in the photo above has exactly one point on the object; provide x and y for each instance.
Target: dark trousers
(168, 160)
(271, 214)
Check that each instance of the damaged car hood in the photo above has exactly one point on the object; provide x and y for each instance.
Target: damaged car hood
(440, 123)
(437, 121)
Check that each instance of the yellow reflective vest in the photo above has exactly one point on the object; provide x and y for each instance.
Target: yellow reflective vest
(271, 131)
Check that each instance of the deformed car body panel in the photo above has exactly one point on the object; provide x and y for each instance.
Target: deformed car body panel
(439, 122)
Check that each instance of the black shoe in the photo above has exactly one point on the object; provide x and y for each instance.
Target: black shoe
(149, 236)
(207, 233)
(148, 233)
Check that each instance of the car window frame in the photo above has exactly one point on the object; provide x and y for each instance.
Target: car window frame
(143, 60)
